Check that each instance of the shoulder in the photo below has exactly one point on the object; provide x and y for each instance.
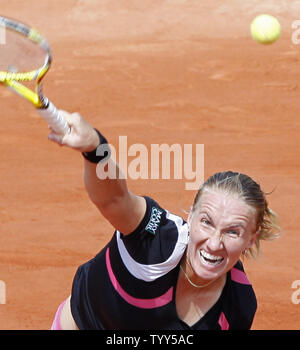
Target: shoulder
(157, 244)
(159, 230)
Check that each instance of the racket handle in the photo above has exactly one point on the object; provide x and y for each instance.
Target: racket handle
(54, 119)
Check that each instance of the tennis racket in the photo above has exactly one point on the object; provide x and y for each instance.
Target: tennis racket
(25, 56)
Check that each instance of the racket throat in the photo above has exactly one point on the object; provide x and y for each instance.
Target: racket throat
(23, 91)
(43, 100)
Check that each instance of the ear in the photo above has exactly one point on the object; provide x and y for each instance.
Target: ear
(189, 219)
(253, 238)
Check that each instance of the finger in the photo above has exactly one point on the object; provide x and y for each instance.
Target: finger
(70, 117)
(50, 128)
(55, 138)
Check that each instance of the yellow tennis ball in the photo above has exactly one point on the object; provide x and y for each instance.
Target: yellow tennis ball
(265, 29)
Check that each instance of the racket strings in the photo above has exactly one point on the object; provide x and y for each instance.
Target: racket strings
(20, 55)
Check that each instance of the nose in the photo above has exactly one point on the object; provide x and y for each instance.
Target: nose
(215, 241)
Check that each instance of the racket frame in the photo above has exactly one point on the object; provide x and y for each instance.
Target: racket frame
(13, 79)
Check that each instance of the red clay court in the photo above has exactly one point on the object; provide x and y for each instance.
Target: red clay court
(172, 71)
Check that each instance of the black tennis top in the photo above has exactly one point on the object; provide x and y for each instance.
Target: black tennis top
(131, 283)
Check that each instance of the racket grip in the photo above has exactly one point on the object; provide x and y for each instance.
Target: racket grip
(54, 119)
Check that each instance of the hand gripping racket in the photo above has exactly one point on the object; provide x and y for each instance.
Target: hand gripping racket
(25, 56)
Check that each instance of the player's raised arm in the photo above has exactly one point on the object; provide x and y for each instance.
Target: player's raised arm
(123, 209)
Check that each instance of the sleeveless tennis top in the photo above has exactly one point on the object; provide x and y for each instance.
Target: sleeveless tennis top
(131, 283)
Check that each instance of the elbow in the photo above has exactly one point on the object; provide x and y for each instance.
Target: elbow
(105, 202)
(109, 205)
(111, 208)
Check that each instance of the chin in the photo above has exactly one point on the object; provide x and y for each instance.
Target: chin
(209, 269)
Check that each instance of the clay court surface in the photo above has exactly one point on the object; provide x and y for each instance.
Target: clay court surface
(172, 71)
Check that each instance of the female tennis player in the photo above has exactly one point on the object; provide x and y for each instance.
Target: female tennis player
(158, 271)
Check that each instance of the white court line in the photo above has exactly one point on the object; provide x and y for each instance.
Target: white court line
(2, 292)
(2, 35)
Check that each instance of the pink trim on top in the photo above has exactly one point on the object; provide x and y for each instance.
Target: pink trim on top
(141, 303)
(239, 276)
(56, 325)
(223, 322)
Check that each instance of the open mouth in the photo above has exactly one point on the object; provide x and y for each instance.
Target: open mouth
(209, 259)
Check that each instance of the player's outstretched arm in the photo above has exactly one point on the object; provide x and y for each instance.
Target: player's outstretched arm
(122, 208)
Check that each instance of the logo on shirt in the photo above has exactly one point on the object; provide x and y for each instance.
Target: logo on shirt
(154, 220)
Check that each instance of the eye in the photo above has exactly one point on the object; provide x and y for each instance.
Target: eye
(233, 233)
(205, 221)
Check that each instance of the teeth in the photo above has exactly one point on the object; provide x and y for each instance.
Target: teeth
(210, 259)
(209, 256)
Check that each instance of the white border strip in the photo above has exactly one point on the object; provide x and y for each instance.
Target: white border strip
(150, 273)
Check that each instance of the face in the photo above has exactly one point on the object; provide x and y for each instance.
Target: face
(221, 228)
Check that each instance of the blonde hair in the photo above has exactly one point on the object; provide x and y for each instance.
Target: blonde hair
(249, 191)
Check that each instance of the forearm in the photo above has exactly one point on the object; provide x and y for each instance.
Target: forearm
(112, 197)
(104, 184)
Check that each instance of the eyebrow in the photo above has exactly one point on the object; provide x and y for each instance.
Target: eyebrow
(206, 213)
(235, 225)
(242, 225)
